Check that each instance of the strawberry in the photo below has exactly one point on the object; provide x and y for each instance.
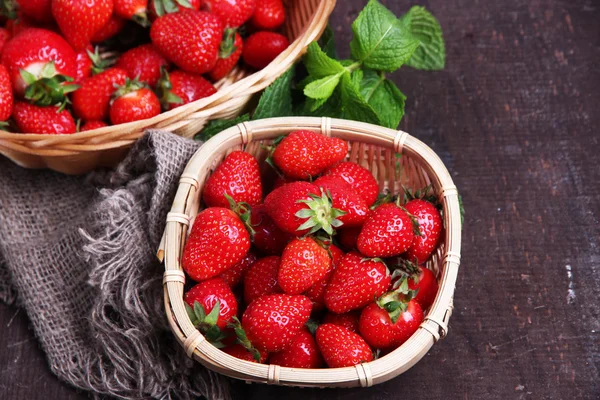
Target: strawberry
(346, 199)
(229, 54)
(359, 178)
(261, 279)
(79, 20)
(263, 47)
(272, 321)
(316, 293)
(387, 232)
(305, 154)
(303, 352)
(179, 87)
(37, 10)
(158, 8)
(421, 280)
(356, 281)
(92, 125)
(32, 51)
(133, 102)
(268, 238)
(144, 63)
(297, 208)
(190, 39)
(114, 25)
(233, 276)
(347, 237)
(84, 64)
(303, 263)
(239, 351)
(268, 14)
(232, 12)
(4, 37)
(6, 95)
(281, 180)
(92, 101)
(208, 293)
(217, 242)
(341, 347)
(237, 176)
(134, 10)
(430, 226)
(348, 320)
(34, 119)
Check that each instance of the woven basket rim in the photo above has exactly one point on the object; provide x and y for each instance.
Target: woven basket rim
(186, 204)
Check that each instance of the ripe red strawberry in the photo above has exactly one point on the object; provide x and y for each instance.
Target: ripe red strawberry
(261, 279)
(269, 14)
(420, 279)
(35, 119)
(430, 226)
(233, 276)
(303, 352)
(133, 102)
(165, 7)
(207, 294)
(359, 178)
(316, 293)
(274, 320)
(387, 232)
(79, 20)
(305, 154)
(91, 102)
(229, 55)
(263, 47)
(91, 125)
(6, 95)
(237, 176)
(38, 10)
(4, 37)
(179, 87)
(268, 238)
(84, 64)
(144, 63)
(110, 29)
(347, 237)
(280, 181)
(346, 199)
(356, 281)
(31, 51)
(190, 39)
(300, 207)
(217, 242)
(303, 263)
(239, 351)
(377, 328)
(133, 9)
(341, 347)
(348, 320)
(232, 12)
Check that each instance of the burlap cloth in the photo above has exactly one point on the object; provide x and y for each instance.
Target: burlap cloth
(78, 254)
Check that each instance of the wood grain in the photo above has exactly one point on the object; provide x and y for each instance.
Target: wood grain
(514, 116)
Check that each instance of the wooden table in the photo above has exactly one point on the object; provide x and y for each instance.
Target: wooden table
(515, 117)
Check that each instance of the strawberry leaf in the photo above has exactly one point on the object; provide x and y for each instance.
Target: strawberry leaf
(213, 316)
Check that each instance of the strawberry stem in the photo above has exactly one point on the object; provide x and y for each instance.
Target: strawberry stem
(242, 338)
(320, 214)
(207, 324)
(396, 301)
(244, 211)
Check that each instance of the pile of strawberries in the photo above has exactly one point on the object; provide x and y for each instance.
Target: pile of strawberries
(324, 271)
(53, 81)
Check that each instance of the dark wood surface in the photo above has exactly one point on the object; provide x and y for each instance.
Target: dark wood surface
(515, 117)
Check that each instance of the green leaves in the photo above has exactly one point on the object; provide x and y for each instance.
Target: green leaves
(219, 125)
(384, 96)
(276, 100)
(318, 64)
(431, 53)
(380, 41)
(355, 106)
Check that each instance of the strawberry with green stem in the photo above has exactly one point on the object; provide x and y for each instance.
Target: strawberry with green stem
(143, 63)
(178, 88)
(421, 280)
(158, 8)
(133, 101)
(48, 88)
(135, 10)
(229, 54)
(346, 199)
(245, 349)
(424, 209)
(91, 102)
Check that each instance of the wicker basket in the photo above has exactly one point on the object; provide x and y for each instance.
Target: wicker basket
(82, 152)
(370, 146)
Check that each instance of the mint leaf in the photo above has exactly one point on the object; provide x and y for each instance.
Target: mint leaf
(319, 64)
(327, 42)
(331, 107)
(431, 53)
(323, 88)
(384, 97)
(357, 77)
(276, 100)
(380, 42)
(219, 125)
(354, 105)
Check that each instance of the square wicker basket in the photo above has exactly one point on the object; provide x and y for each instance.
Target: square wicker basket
(371, 146)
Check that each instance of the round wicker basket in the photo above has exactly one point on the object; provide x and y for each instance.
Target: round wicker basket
(373, 147)
(81, 152)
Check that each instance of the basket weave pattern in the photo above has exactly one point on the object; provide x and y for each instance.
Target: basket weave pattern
(81, 152)
(374, 148)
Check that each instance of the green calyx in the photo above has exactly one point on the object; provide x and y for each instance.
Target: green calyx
(312, 326)
(242, 338)
(228, 46)
(163, 7)
(50, 89)
(413, 219)
(320, 214)
(405, 268)
(99, 63)
(425, 193)
(164, 90)
(8, 9)
(130, 86)
(141, 19)
(396, 301)
(207, 323)
(244, 211)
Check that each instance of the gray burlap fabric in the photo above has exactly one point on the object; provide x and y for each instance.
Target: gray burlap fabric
(77, 253)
